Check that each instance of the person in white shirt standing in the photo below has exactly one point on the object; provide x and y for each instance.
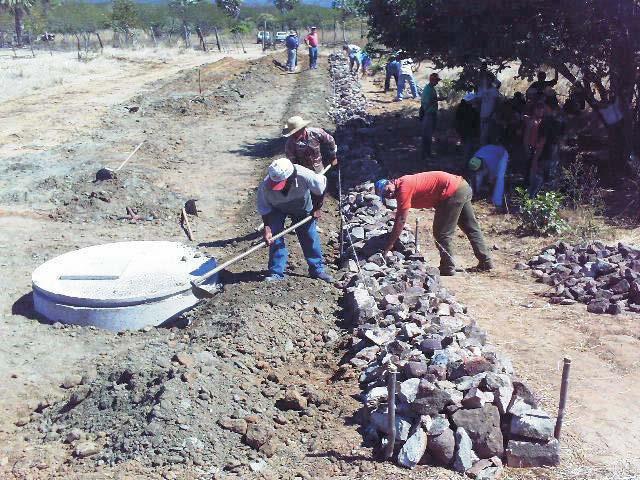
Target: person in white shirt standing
(406, 75)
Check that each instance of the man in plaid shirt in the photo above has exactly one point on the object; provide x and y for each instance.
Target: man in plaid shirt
(307, 146)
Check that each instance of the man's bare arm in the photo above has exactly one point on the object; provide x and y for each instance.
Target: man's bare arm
(394, 235)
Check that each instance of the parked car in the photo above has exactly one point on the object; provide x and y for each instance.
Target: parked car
(281, 36)
(266, 35)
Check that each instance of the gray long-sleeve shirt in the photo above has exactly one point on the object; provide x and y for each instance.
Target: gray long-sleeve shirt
(297, 200)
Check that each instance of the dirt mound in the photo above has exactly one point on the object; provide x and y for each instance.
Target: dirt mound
(84, 198)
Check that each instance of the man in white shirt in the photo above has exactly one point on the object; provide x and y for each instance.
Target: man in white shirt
(406, 75)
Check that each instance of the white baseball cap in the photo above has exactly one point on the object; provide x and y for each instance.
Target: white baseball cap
(279, 171)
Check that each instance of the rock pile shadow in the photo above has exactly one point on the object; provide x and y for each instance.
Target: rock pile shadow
(459, 403)
(605, 277)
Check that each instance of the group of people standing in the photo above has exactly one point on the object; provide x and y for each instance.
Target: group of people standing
(292, 42)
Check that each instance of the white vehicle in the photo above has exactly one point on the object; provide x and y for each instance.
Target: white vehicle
(266, 35)
(281, 36)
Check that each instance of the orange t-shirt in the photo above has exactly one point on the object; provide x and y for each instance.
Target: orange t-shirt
(425, 190)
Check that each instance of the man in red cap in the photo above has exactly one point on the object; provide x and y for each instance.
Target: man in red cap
(296, 192)
(451, 196)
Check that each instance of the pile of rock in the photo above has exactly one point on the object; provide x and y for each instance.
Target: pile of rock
(458, 402)
(605, 277)
(349, 103)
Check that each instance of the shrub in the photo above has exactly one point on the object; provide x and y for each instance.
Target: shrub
(540, 215)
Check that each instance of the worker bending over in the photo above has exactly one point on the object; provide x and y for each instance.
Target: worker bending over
(307, 146)
(451, 196)
(296, 192)
(490, 163)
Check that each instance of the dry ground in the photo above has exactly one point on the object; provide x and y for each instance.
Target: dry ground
(214, 147)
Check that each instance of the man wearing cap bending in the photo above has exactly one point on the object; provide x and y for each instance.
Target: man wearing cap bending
(490, 163)
(451, 196)
(311, 41)
(308, 146)
(297, 192)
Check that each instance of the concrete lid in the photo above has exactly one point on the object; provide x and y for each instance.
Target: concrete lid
(120, 274)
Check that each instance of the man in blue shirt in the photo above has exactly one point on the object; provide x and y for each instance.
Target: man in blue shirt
(392, 70)
(292, 42)
(491, 162)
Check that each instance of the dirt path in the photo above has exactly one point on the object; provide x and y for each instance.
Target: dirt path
(601, 435)
(78, 95)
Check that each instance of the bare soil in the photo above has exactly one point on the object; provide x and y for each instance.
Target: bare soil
(156, 415)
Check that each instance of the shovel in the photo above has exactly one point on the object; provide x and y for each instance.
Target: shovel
(201, 290)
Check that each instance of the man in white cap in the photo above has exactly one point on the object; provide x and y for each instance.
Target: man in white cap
(296, 192)
(311, 40)
(308, 146)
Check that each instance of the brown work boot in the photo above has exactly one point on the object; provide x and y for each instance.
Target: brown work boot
(484, 266)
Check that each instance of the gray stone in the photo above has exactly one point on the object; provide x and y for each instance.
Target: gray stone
(483, 426)
(381, 336)
(360, 305)
(375, 395)
(413, 449)
(442, 447)
(416, 369)
(409, 390)
(526, 454)
(598, 306)
(380, 420)
(431, 399)
(85, 449)
(437, 424)
(534, 424)
(476, 398)
(464, 457)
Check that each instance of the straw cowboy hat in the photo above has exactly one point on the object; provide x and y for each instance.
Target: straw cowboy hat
(293, 125)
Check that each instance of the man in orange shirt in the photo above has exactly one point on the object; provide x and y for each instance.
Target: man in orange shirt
(451, 196)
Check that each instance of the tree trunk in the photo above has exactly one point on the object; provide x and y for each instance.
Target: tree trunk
(18, 16)
(215, 29)
(100, 42)
(78, 44)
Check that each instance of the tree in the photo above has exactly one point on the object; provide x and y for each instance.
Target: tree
(231, 7)
(286, 5)
(124, 16)
(18, 9)
(592, 43)
(348, 9)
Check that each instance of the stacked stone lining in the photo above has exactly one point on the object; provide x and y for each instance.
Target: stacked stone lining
(604, 277)
(458, 403)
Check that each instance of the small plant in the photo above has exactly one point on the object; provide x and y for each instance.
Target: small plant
(540, 215)
(580, 186)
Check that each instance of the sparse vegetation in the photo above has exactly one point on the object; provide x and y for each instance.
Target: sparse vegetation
(540, 215)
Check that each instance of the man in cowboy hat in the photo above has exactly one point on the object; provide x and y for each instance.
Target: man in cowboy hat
(296, 192)
(308, 146)
(451, 196)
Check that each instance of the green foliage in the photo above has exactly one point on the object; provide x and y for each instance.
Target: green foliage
(124, 16)
(540, 215)
(242, 27)
(285, 5)
(75, 17)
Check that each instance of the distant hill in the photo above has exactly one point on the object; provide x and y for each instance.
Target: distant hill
(321, 3)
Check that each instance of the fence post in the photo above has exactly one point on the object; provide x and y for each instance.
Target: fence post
(392, 374)
(564, 387)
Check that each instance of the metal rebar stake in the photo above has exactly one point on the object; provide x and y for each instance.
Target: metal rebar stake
(564, 387)
(341, 218)
(416, 235)
(392, 375)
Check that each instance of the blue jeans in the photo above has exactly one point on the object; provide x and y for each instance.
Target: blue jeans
(412, 83)
(291, 59)
(309, 241)
(313, 57)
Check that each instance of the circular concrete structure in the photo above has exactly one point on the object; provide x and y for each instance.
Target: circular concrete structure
(120, 286)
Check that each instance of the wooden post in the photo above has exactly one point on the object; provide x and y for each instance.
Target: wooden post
(564, 387)
(78, 43)
(392, 374)
(264, 30)
(341, 215)
(199, 82)
(100, 42)
(244, 50)
(187, 226)
(215, 29)
(46, 36)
